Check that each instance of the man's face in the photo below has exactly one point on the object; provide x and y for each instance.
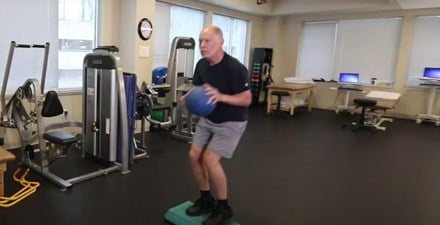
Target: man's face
(210, 43)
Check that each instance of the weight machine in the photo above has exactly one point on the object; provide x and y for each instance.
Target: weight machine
(180, 72)
(180, 69)
(26, 110)
(104, 115)
(108, 120)
(6, 114)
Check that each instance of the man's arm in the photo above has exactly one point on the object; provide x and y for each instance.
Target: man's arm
(241, 99)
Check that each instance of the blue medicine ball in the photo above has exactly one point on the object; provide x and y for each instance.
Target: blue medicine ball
(159, 75)
(197, 102)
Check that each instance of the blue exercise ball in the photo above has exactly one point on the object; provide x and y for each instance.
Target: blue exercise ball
(197, 102)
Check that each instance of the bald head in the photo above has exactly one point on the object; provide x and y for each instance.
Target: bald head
(211, 43)
(215, 29)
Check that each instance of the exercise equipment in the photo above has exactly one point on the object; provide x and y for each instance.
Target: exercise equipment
(180, 72)
(260, 73)
(159, 75)
(35, 135)
(26, 111)
(6, 119)
(197, 102)
(177, 215)
(141, 105)
(104, 115)
(152, 93)
(108, 135)
(28, 187)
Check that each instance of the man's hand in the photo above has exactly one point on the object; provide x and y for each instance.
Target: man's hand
(213, 93)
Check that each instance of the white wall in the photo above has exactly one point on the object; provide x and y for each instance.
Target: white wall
(413, 101)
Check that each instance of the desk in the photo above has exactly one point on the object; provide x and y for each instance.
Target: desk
(429, 116)
(5, 156)
(346, 90)
(292, 89)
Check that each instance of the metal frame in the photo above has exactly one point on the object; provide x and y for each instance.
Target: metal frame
(31, 93)
(180, 69)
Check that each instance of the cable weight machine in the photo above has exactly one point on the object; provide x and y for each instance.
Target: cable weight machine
(180, 69)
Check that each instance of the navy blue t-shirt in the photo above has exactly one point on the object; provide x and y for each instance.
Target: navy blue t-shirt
(230, 77)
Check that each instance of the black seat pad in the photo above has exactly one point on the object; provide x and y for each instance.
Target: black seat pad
(280, 93)
(60, 137)
(364, 102)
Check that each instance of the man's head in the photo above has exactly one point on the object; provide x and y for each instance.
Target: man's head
(211, 43)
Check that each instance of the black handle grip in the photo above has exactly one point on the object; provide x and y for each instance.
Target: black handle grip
(22, 46)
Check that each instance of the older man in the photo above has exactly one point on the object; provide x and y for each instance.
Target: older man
(226, 81)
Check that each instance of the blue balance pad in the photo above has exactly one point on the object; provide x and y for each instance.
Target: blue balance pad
(177, 216)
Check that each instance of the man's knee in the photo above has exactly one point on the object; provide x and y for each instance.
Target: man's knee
(194, 154)
(210, 158)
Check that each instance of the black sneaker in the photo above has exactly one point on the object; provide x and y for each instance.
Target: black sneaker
(219, 217)
(201, 207)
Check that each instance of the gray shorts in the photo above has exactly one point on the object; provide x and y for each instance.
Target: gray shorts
(221, 138)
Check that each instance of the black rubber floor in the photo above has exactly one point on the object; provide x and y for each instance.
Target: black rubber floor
(303, 170)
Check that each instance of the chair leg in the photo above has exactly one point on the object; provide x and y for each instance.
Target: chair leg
(361, 123)
(362, 119)
(279, 104)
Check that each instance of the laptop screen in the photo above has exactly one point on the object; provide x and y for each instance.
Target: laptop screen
(431, 72)
(349, 77)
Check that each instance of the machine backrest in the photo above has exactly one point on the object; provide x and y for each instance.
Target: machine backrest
(52, 105)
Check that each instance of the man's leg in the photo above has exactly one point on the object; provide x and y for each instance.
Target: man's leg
(223, 212)
(206, 203)
(199, 170)
(216, 174)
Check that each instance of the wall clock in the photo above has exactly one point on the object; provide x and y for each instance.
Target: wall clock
(145, 29)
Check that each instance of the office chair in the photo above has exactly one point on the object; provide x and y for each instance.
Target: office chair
(374, 105)
(365, 104)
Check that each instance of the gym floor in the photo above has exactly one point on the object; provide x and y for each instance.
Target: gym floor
(302, 170)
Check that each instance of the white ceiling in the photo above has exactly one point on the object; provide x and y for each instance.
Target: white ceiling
(284, 7)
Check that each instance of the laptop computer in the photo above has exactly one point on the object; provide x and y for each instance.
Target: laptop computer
(349, 78)
(431, 73)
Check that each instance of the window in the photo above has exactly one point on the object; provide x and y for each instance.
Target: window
(317, 50)
(181, 27)
(161, 34)
(27, 22)
(173, 22)
(234, 34)
(425, 48)
(77, 37)
(68, 25)
(330, 48)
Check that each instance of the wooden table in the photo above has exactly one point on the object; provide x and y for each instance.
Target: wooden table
(5, 156)
(293, 90)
